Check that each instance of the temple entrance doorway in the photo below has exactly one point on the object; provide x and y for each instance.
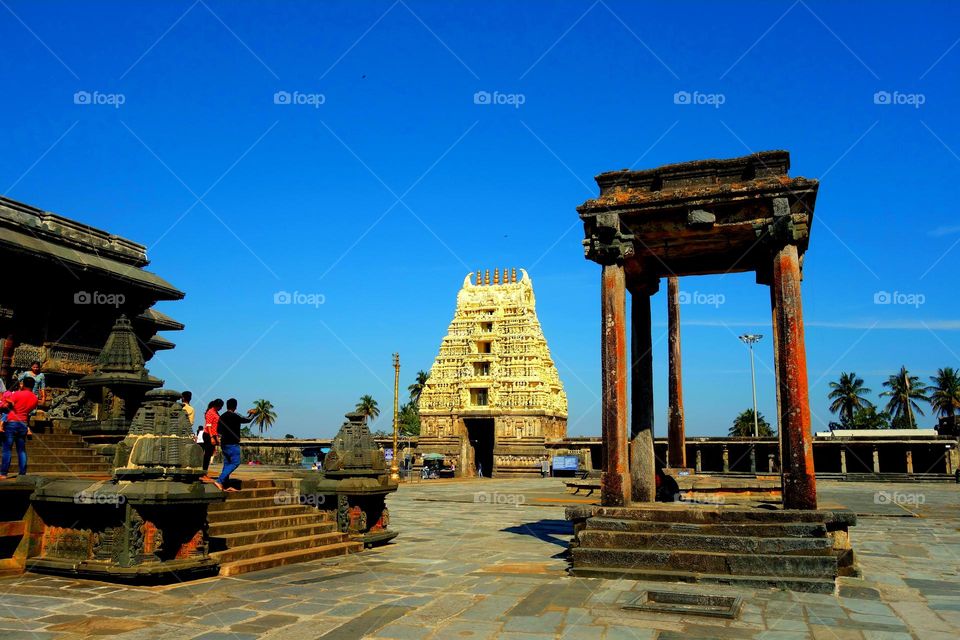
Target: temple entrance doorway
(480, 437)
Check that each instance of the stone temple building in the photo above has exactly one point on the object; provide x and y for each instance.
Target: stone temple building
(494, 397)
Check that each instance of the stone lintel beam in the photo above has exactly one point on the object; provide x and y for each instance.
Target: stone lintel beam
(799, 482)
(615, 480)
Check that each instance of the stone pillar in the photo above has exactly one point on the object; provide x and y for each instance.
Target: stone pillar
(676, 434)
(726, 459)
(876, 460)
(753, 458)
(770, 466)
(642, 458)
(953, 459)
(909, 461)
(843, 460)
(615, 483)
(799, 481)
(699, 467)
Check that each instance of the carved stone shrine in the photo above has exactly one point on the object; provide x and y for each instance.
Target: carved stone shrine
(699, 218)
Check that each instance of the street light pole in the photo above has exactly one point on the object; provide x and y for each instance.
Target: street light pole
(749, 339)
(394, 469)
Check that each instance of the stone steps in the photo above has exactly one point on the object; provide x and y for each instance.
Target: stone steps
(705, 542)
(803, 585)
(250, 531)
(711, 562)
(779, 530)
(60, 453)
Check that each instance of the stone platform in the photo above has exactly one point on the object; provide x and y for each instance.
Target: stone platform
(798, 550)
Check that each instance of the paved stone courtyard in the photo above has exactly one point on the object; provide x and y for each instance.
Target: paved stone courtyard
(485, 559)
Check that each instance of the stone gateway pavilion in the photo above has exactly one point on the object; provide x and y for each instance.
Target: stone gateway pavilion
(494, 397)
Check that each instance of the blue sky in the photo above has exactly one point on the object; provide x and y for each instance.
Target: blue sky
(381, 182)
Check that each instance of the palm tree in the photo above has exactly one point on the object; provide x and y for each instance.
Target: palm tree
(417, 387)
(847, 396)
(368, 407)
(263, 415)
(904, 392)
(945, 392)
(743, 425)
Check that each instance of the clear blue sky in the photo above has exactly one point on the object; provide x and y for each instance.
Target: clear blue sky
(384, 196)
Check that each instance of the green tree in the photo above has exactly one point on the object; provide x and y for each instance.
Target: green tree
(368, 407)
(417, 387)
(945, 392)
(904, 391)
(409, 419)
(866, 418)
(847, 395)
(743, 425)
(263, 415)
(290, 436)
(247, 432)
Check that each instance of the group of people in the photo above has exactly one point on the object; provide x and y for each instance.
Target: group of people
(219, 429)
(16, 406)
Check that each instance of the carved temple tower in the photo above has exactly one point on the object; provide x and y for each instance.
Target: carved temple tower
(494, 397)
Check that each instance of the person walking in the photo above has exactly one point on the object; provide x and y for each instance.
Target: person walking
(228, 431)
(211, 421)
(18, 406)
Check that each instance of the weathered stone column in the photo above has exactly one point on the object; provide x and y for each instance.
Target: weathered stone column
(753, 458)
(642, 458)
(843, 460)
(799, 481)
(726, 459)
(614, 483)
(676, 434)
(876, 460)
(699, 467)
(909, 461)
(770, 466)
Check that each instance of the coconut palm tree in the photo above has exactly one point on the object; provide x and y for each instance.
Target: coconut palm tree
(743, 425)
(263, 415)
(847, 395)
(945, 392)
(417, 387)
(368, 407)
(904, 390)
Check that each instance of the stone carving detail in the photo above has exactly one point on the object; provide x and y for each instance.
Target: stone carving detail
(72, 403)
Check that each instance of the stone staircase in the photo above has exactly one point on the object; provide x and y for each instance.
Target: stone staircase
(58, 453)
(263, 526)
(795, 550)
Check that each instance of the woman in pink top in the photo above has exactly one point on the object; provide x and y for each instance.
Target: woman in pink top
(211, 420)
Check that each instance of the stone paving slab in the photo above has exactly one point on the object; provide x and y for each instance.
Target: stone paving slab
(463, 569)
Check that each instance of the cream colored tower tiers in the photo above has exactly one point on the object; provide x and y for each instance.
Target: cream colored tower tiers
(494, 397)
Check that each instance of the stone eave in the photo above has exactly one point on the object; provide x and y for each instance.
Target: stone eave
(160, 320)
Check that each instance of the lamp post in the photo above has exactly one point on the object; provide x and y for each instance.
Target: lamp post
(750, 339)
(394, 468)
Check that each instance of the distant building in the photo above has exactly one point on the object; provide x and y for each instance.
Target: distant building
(494, 397)
(65, 284)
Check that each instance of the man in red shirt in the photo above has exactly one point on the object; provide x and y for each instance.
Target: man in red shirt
(18, 407)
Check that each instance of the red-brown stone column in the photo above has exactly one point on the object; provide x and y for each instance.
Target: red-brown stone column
(676, 431)
(642, 458)
(799, 482)
(614, 483)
